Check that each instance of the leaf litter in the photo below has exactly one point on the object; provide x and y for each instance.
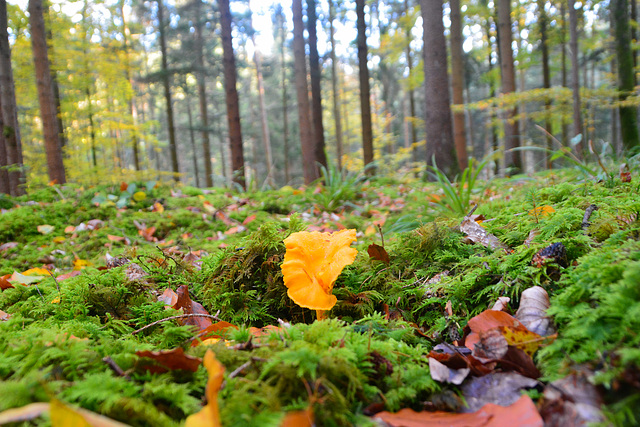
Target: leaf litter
(391, 341)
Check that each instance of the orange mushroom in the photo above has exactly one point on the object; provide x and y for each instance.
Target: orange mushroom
(312, 264)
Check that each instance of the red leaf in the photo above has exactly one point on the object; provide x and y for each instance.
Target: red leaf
(4, 282)
(169, 297)
(216, 330)
(521, 413)
(377, 252)
(7, 246)
(170, 360)
(248, 219)
(191, 307)
(66, 276)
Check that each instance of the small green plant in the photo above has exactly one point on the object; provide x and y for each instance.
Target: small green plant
(338, 188)
(457, 194)
(128, 196)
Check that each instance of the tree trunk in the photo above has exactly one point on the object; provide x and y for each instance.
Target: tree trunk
(628, 113)
(309, 169)
(193, 141)
(282, 30)
(457, 84)
(54, 77)
(440, 146)
(264, 121)
(563, 60)
(9, 113)
(231, 92)
(46, 98)
(512, 159)
(334, 86)
(202, 96)
(363, 74)
(316, 92)
(130, 102)
(575, 74)
(173, 149)
(546, 75)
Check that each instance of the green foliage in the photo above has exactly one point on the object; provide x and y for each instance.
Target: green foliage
(337, 189)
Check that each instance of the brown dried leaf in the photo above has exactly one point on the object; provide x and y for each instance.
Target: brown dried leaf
(501, 388)
(24, 413)
(7, 246)
(4, 282)
(522, 413)
(4, 316)
(502, 304)
(571, 401)
(379, 253)
(477, 234)
(492, 345)
(534, 303)
(169, 297)
(170, 360)
(191, 307)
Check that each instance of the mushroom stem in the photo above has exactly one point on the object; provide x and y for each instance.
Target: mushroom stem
(321, 314)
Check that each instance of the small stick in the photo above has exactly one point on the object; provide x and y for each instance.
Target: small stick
(587, 215)
(181, 316)
(381, 235)
(473, 209)
(114, 367)
(241, 368)
(55, 280)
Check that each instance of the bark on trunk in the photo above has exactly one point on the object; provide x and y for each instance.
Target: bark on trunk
(316, 92)
(130, 101)
(309, 169)
(439, 127)
(202, 97)
(231, 93)
(334, 86)
(546, 75)
(457, 84)
(575, 74)
(512, 159)
(48, 112)
(9, 114)
(363, 73)
(264, 121)
(173, 149)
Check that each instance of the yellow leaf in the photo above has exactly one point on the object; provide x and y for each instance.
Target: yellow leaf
(209, 416)
(56, 300)
(79, 264)
(59, 239)
(36, 272)
(65, 416)
(525, 340)
(157, 207)
(138, 196)
(542, 211)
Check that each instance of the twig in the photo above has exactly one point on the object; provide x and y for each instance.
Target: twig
(114, 367)
(181, 316)
(381, 235)
(473, 209)
(595, 153)
(55, 280)
(241, 368)
(587, 215)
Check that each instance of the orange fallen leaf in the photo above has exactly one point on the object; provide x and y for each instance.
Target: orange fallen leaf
(4, 282)
(302, 418)
(169, 297)
(113, 238)
(209, 416)
(521, 413)
(378, 253)
(4, 315)
(66, 276)
(248, 219)
(170, 360)
(191, 307)
(215, 330)
(542, 211)
(69, 229)
(158, 207)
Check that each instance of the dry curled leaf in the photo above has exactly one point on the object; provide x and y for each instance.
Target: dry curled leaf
(170, 360)
(501, 388)
(378, 253)
(532, 313)
(492, 345)
(191, 307)
(442, 373)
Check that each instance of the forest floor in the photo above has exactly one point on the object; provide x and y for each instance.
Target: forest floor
(127, 300)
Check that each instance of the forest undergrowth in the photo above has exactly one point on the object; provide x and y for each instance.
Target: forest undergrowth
(127, 300)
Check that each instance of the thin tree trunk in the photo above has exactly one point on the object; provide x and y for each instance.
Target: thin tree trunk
(173, 148)
(9, 115)
(285, 113)
(193, 141)
(363, 73)
(316, 91)
(634, 36)
(546, 76)
(54, 79)
(309, 169)
(48, 112)
(628, 113)
(264, 121)
(231, 92)
(457, 84)
(4, 161)
(202, 96)
(412, 101)
(575, 74)
(334, 86)
(563, 60)
(512, 159)
(130, 101)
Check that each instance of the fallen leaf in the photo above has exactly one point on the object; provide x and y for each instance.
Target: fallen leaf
(502, 304)
(571, 401)
(542, 211)
(534, 303)
(492, 345)
(45, 228)
(36, 272)
(59, 239)
(139, 196)
(63, 415)
(215, 330)
(24, 413)
(170, 360)
(527, 341)
(500, 388)
(522, 413)
(444, 374)
(249, 219)
(302, 418)
(4, 282)
(66, 276)
(69, 229)
(4, 315)
(7, 246)
(158, 207)
(477, 234)
(169, 297)
(191, 307)
(532, 235)
(24, 279)
(378, 253)
(79, 264)
(113, 238)
(209, 416)
(123, 186)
